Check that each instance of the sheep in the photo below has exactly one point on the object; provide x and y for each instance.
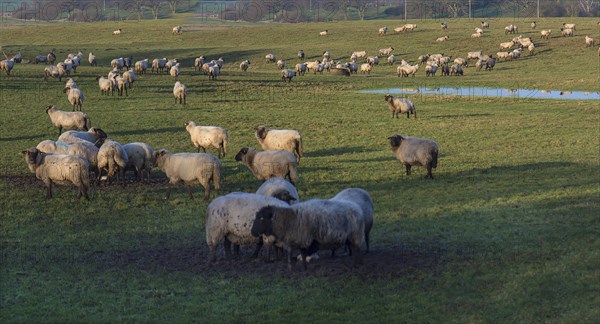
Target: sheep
(533, 24)
(326, 55)
(360, 54)
(7, 65)
(456, 69)
(503, 55)
(511, 29)
(105, 85)
(268, 164)
(170, 63)
(531, 49)
(566, 32)
(177, 30)
(301, 54)
(287, 74)
(198, 62)
(340, 71)
(280, 139)
(423, 58)
(399, 29)
(113, 158)
(159, 64)
(92, 59)
(92, 135)
(414, 151)
(490, 63)
(445, 59)
(121, 85)
(129, 77)
(139, 159)
(141, 66)
(373, 60)
(270, 58)
(442, 39)
(324, 33)
(386, 51)
(117, 32)
(117, 63)
(569, 26)
(400, 106)
(312, 225)
(476, 35)
(444, 25)
(245, 65)
(484, 57)
(189, 167)
(546, 33)
(445, 69)
(382, 31)
(506, 45)
(59, 168)
(281, 189)
(174, 72)
(516, 53)
(478, 30)
(366, 68)
(391, 59)
(474, 55)
(461, 61)
(312, 65)
(68, 120)
(525, 42)
(353, 67)
(83, 149)
(485, 24)
(54, 147)
(362, 198)
(57, 71)
(410, 27)
(206, 66)
(431, 69)
(40, 59)
(589, 41)
(229, 218)
(213, 72)
(18, 58)
(300, 68)
(180, 92)
(406, 70)
(280, 64)
(206, 136)
(479, 65)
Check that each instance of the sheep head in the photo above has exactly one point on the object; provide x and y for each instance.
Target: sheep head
(389, 97)
(395, 140)
(261, 132)
(241, 154)
(33, 157)
(48, 108)
(263, 223)
(284, 195)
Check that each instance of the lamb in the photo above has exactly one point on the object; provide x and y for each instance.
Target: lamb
(312, 225)
(280, 139)
(68, 120)
(268, 164)
(281, 189)
(189, 168)
(589, 41)
(442, 39)
(57, 71)
(414, 151)
(92, 59)
(566, 32)
(213, 72)
(456, 69)
(382, 31)
(546, 33)
(180, 92)
(117, 32)
(400, 106)
(270, 58)
(362, 198)
(105, 85)
(129, 77)
(287, 74)
(60, 169)
(229, 218)
(174, 72)
(7, 65)
(139, 159)
(198, 62)
(324, 33)
(113, 158)
(159, 64)
(244, 65)
(92, 135)
(206, 136)
(177, 30)
(366, 68)
(280, 64)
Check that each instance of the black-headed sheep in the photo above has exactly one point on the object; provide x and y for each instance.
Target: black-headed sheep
(280, 139)
(414, 151)
(268, 164)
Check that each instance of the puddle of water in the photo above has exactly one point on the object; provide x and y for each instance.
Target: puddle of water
(492, 92)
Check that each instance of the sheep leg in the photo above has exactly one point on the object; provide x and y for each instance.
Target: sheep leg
(236, 250)
(257, 250)
(189, 190)
(169, 186)
(212, 256)
(49, 191)
(367, 241)
(408, 166)
(290, 258)
(429, 167)
(227, 247)
(408, 114)
(356, 254)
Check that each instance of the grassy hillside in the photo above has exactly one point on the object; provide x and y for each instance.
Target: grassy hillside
(505, 232)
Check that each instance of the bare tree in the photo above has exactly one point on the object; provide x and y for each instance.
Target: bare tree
(154, 6)
(455, 7)
(587, 5)
(360, 6)
(173, 4)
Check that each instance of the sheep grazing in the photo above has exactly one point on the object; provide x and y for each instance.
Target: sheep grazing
(511, 29)
(288, 74)
(174, 72)
(531, 49)
(386, 51)
(442, 39)
(170, 63)
(326, 55)
(189, 168)
(117, 63)
(270, 58)
(461, 61)
(300, 68)
(117, 32)
(60, 169)
(139, 159)
(112, 158)
(503, 55)
(180, 92)
(431, 69)
(7, 65)
(410, 27)
(92, 59)
(68, 120)
(391, 59)
(444, 25)
(198, 62)
(280, 139)
(129, 77)
(414, 151)
(324, 33)
(474, 55)
(479, 65)
(373, 60)
(400, 106)
(456, 69)
(478, 30)
(423, 58)
(57, 71)
(362, 198)
(506, 45)
(366, 68)
(92, 135)
(177, 30)
(546, 33)
(476, 35)
(313, 225)
(569, 26)
(281, 189)
(360, 54)
(268, 164)
(407, 69)
(83, 149)
(159, 64)
(280, 64)
(399, 29)
(485, 24)
(245, 65)
(229, 219)
(383, 31)
(213, 72)
(589, 41)
(207, 136)
(445, 70)
(566, 32)
(490, 63)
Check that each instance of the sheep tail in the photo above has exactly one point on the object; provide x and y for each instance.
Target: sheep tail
(434, 159)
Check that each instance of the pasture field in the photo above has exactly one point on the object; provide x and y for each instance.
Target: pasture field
(505, 232)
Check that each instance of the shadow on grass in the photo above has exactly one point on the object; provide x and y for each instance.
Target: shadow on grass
(338, 151)
(147, 131)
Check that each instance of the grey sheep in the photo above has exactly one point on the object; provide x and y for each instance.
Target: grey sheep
(287, 74)
(280, 139)
(92, 135)
(57, 71)
(490, 63)
(139, 159)
(83, 149)
(362, 198)
(60, 169)
(281, 189)
(189, 168)
(400, 106)
(68, 120)
(268, 164)
(312, 225)
(415, 151)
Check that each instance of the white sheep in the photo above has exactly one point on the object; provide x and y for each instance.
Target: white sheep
(280, 64)
(7, 65)
(287, 74)
(60, 169)
(83, 149)
(68, 120)
(503, 55)
(589, 41)
(170, 63)
(324, 33)
(326, 55)
(431, 69)
(410, 27)
(177, 30)
(139, 159)
(198, 62)
(105, 85)
(461, 61)
(479, 65)
(189, 168)
(281, 189)
(569, 26)
(405, 70)
(566, 32)
(456, 69)
(373, 60)
(92, 135)
(442, 39)
(533, 24)
(117, 63)
(414, 151)
(366, 68)
(511, 29)
(546, 33)
(485, 24)
(444, 25)
(245, 65)
(280, 139)
(474, 55)
(386, 51)
(174, 72)
(92, 59)
(213, 72)
(400, 106)
(121, 85)
(180, 92)
(204, 137)
(270, 58)
(362, 198)
(382, 31)
(399, 29)
(268, 164)
(391, 59)
(476, 35)
(300, 68)
(478, 30)
(129, 77)
(117, 32)
(159, 64)
(531, 49)
(359, 54)
(57, 71)
(506, 45)
(112, 158)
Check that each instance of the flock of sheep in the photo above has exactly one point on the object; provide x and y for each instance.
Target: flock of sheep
(274, 215)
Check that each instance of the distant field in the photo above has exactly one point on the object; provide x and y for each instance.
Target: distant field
(505, 232)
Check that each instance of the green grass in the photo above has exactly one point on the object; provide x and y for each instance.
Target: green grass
(506, 231)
